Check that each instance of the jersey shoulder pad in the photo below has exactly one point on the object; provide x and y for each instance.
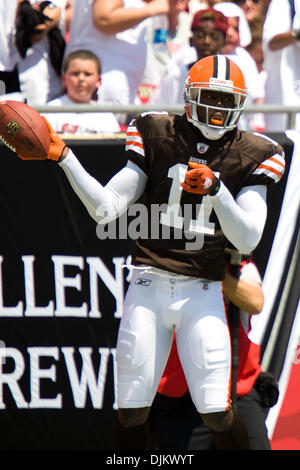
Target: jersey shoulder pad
(265, 156)
(144, 132)
(155, 124)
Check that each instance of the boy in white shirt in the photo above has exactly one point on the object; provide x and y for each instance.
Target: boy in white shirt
(81, 77)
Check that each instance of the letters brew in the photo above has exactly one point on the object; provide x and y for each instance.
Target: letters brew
(87, 368)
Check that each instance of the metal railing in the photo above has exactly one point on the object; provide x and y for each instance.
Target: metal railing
(290, 111)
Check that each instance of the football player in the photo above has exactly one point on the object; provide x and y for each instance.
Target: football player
(203, 183)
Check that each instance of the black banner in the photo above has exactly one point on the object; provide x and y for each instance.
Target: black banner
(61, 294)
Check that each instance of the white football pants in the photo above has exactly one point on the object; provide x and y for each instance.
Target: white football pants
(157, 302)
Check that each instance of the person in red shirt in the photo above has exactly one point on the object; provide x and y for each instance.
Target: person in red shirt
(174, 422)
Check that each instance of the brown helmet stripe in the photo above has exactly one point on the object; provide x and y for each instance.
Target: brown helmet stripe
(227, 74)
(215, 72)
(221, 67)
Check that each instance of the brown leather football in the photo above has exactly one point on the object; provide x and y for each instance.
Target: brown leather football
(23, 130)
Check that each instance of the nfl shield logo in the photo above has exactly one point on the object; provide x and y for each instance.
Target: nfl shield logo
(201, 147)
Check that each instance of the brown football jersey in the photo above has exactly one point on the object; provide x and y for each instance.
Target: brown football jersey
(180, 231)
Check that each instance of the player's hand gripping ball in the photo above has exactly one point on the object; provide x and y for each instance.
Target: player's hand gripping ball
(200, 180)
(24, 130)
(58, 147)
(28, 133)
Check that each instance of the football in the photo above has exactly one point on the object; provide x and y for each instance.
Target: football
(24, 130)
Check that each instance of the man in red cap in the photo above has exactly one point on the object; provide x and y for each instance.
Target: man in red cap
(209, 29)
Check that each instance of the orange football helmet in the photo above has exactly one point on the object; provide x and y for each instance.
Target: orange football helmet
(219, 74)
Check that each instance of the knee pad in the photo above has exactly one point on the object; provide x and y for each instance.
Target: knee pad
(210, 346)
(210, 353)
(133, 381)
(212, 397)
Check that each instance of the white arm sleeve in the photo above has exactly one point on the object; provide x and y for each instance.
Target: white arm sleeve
(105, 203)
(242, 220)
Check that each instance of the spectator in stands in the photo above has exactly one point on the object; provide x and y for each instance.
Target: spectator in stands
(174, 421)
(8, 53)
(244, 60)
(187, 54)
(34, 31)
(230, 9)
(256, 52)
(81, 76)
(208, 30)
(40, 42)
(115, 31)
(281, 48)
(165, 37)
(255, 11)
(255, 49)
(67, 17)
(252, 8)
(36, 47)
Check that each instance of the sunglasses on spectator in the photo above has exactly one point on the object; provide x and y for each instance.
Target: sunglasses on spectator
(244, 1)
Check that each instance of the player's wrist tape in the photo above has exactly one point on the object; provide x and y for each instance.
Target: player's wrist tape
(215, 188)
(296, 34)
(63, 154)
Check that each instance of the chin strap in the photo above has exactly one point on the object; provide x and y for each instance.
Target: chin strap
(210, 133)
